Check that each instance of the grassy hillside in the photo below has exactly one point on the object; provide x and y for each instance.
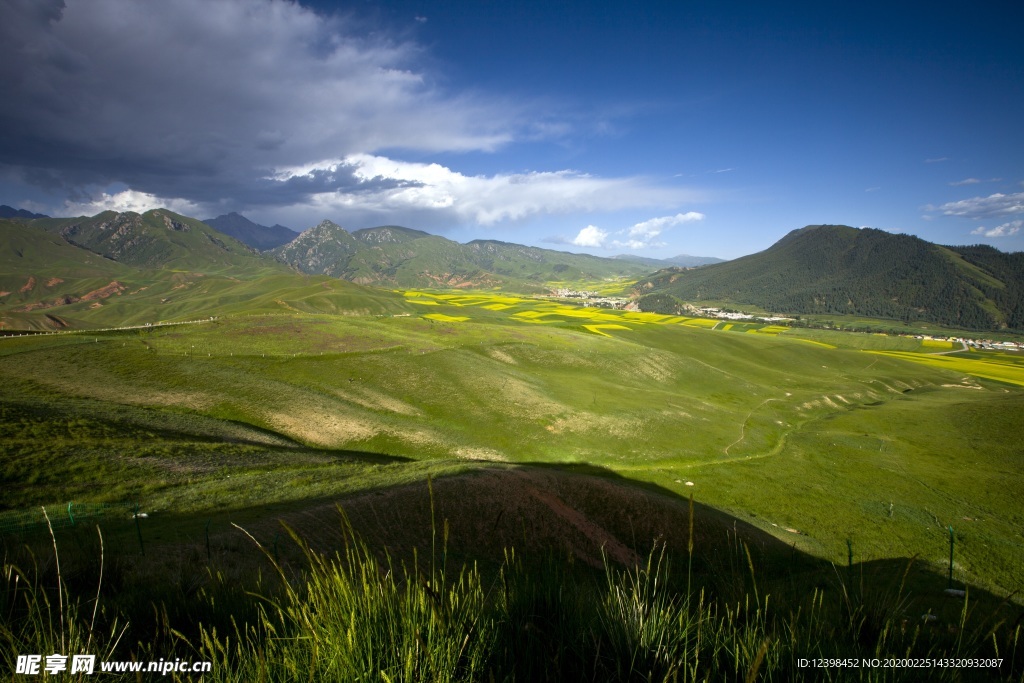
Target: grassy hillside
(571, 434)
(771, 429)
(156, 239)
(49, 283)
(830, 269)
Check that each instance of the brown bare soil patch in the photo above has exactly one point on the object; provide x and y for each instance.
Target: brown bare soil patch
(53, 282)
(113, 288)
(28, 286)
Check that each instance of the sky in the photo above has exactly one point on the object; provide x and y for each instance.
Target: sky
(654, 128)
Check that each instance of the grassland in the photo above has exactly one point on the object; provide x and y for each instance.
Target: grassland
(765, 425)
(821, 443)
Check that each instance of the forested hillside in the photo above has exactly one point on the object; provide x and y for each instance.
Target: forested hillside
(834, 269)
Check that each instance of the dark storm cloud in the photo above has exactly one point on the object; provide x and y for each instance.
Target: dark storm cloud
(294, 190)
(202, 99)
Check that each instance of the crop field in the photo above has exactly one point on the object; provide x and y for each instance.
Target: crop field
(1001, 368)
(816, 437)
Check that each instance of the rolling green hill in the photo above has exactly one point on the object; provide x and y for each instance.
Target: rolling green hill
(156, 239)
(48, 282)
(835, 269)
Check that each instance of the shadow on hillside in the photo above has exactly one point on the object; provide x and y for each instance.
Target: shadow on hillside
(580, 513)
(575, 515)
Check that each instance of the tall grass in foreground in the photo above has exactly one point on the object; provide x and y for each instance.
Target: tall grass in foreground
(357, 616)
(31, 623)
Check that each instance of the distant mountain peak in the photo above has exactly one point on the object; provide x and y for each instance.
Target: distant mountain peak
(255, 235)
(326, 225)
(157, 238)
(11, 212)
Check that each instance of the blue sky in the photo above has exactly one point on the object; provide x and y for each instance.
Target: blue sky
(608, 127)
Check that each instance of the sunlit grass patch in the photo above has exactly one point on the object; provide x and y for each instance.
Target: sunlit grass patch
(539, 320)
(424, 302)
(811, 341)
(937, 345)
(854, 340)
(727, 326)
(773, 329)
(596, 329)
(446, 318)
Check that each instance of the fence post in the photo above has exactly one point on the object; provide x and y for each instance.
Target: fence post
(951, 542)
(71, 515)
(138, 529)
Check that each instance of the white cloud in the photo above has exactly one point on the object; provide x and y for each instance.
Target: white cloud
(984, 207)
(388, 186)
(936, 160)
(1004, 230)
(590, 236)
(128, 200)
(644, 235)
(655, 226)
(973, 181)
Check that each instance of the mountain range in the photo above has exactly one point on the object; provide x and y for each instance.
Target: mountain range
(682, 260)
(837, 269)
(120, 267)
(395, 256)
(123, 268)
(480, 253)
(11, 212)
(129, 268)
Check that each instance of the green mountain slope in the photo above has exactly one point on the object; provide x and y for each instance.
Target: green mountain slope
(834, 269)
(533, 264)
(156, 239)
(46, 282)
(323, 250)
(388, 234)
